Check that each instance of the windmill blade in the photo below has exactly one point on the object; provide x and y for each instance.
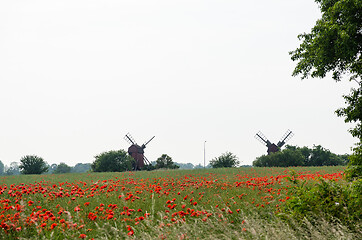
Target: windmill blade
(261, 138)
(286, 137)
(129, 139)
(146, 160)
(144, 145)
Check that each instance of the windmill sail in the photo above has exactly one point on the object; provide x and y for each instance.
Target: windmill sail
(272, 147)
(286, 137)
(129, 139)
(144, 145)
(261, 137)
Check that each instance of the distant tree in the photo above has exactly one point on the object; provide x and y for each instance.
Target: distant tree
(320, 156)
(285, 158)
(165, 161)
(225, 160)
(2, 168)
(81, 168)
(52, 168)
(13, 169)
(32, 164)
(112, 161)
(296, 156)
(198, 166)
(185, 165)
(62, 168)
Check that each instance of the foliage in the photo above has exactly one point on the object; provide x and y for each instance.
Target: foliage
(165, 161)
(52, 168)
(353, 113)
(62, 168)
(13, 169)
(112, 161)
(81, 168)
(2, 168)
(185, 165)
(335, 45)
(354, 169)
(284, 158)
(296, 156)
(32, 164)
(226, 159)
(335, 42)
(328, 199)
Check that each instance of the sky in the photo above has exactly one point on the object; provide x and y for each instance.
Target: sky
(77, 75)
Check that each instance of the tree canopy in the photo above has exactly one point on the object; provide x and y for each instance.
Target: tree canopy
(32, 164)
(62, 168)
(165, 161)
(334, 43)
(296, 156)
(225, 160)
(112, 161)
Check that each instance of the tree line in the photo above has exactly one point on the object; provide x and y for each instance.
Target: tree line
(32, 164)
(301, 156)
(120, 161)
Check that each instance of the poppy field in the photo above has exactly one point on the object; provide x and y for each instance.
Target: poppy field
(239, 203)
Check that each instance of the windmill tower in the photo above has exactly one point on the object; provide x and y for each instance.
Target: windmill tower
(272, 148)
(137, 152)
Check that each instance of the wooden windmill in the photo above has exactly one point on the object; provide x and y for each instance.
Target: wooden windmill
(137, 152)
(272, 148)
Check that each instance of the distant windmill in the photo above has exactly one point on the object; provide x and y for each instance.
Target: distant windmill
(137, 152)
(272, 148)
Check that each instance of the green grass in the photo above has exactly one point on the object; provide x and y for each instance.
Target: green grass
(239, 203)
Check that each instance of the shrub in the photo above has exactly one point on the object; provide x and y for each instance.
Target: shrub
(225, 160)
(330, 199)
(354, 169)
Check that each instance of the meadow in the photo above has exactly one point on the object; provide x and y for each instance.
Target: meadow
(234, 203)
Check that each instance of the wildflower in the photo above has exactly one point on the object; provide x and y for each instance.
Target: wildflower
(77, 209)
(82, 236)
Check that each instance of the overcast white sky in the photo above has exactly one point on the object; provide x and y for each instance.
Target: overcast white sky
(76, 76)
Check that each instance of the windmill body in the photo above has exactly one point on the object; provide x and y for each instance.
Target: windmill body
(137, 152)
(273, 148)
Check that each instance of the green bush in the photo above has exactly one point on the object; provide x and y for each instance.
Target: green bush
(225, 160)
(112, 161)
(354, 169)
(330, 199)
